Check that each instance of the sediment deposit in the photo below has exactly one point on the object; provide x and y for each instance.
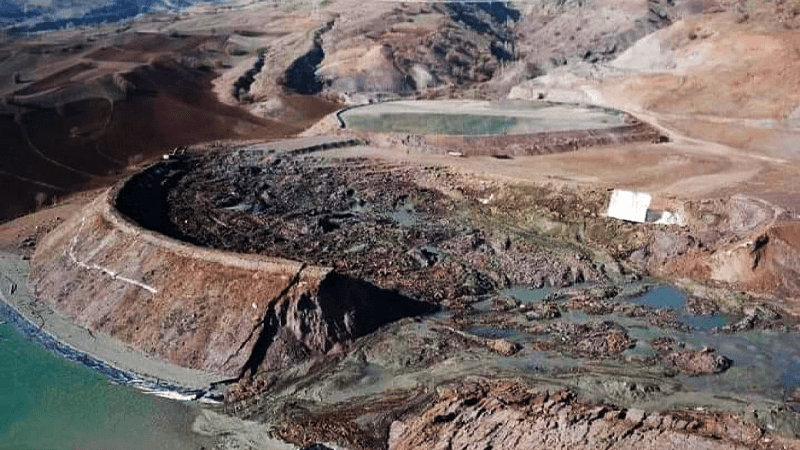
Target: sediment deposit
(297, 270)
(392, 291)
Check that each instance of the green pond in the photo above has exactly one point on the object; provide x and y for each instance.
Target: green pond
(448, 124)
(47, 402)
(457, 118)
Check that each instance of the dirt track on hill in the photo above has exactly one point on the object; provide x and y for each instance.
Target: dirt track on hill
(103, 106)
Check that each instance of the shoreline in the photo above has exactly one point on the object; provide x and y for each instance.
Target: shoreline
(100, 353)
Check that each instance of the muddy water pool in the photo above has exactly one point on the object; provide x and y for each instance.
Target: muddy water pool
(472, 118)
(765, 363)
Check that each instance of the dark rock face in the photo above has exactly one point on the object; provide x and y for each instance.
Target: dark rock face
(351, 308)
(144, 198)
(306, 322)
(242, 84)
(301, 76)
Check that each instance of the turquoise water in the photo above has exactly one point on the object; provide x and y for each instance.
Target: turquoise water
(477, 119)
(669, 297)
(663, 297)
(47, 402)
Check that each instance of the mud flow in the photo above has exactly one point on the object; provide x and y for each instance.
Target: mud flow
(531, 304)
(392, 224)
(653, 325)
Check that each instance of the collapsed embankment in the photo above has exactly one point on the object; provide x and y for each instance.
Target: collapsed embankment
(319, 351)
(140, 277)
(196, 307)
(162, 297)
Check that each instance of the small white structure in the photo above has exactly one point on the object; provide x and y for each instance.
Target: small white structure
(629, 205)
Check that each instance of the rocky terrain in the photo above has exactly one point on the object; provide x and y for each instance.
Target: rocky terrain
(380, 295)
(308, 309)
(479, 413)
(88, 88)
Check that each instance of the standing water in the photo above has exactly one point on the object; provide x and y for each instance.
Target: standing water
(51, 403)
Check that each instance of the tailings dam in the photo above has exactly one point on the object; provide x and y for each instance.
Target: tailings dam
(504, 128)
(322, 283)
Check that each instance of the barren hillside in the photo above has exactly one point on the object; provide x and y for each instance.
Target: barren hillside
(411, 286)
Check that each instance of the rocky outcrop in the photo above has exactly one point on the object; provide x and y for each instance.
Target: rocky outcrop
(312, 320)
(566, 32)
(593, 339)
(481, 414)
(676, 359)
(241, 86)
(697, 362)
(301, 76)
(415, 48)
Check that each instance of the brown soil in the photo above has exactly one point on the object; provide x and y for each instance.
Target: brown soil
(90, 142)
(760, 83)
(21, 235)
(312, 345)
(506, 415)
(144, 47)
(58, 79)
(121, 100)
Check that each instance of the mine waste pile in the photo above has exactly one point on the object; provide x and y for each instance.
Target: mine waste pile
(377, 303)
